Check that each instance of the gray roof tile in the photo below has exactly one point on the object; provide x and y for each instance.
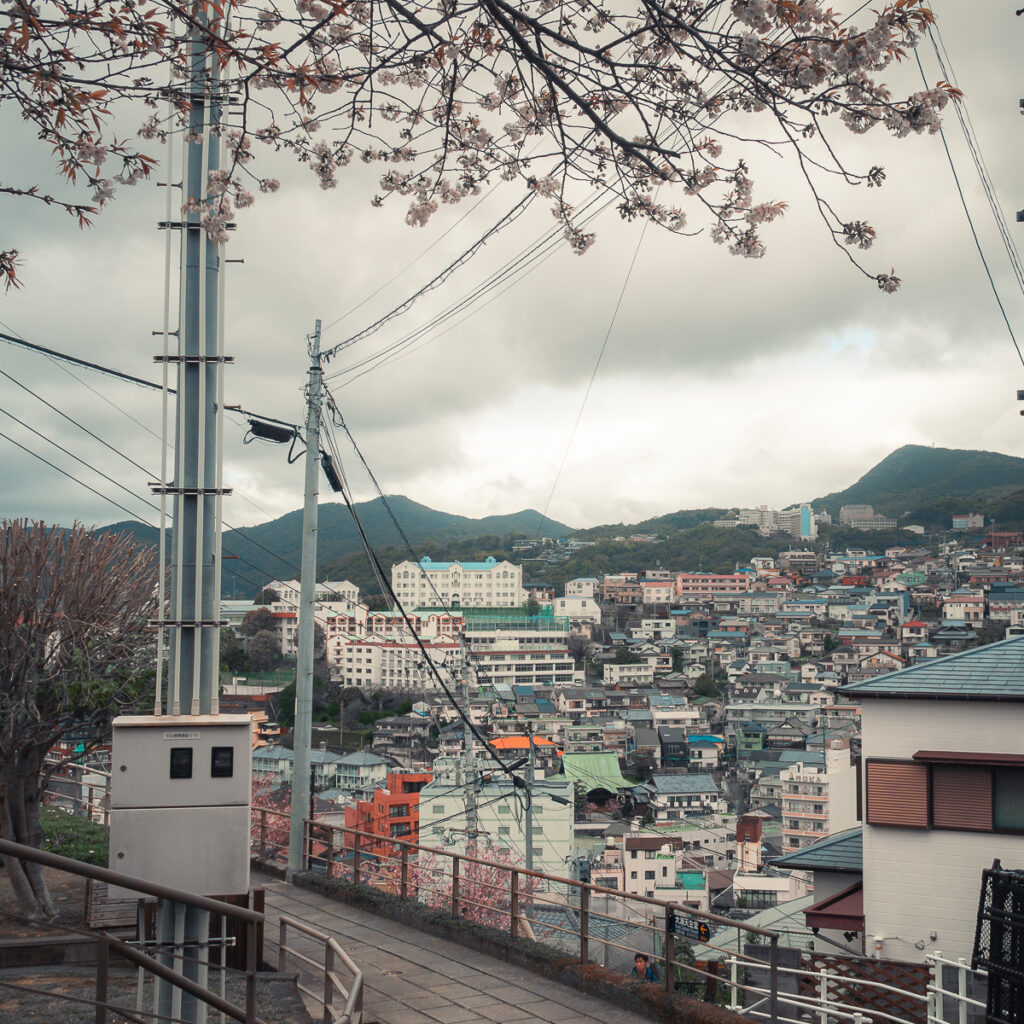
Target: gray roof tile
(992, 672)
(842, 852)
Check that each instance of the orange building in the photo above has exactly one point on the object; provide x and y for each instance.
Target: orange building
(393, 813)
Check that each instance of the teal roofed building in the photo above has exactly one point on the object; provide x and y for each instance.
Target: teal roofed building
(487, 584)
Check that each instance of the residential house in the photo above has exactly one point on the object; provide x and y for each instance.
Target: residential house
(361, 772)
(675, 796)
(943, 784)
(818, 798)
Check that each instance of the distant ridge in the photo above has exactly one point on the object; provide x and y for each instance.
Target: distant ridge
(916, 476)
(337, 537)
(915, 484)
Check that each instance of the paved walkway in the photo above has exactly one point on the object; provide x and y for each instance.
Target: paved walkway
(411, 977)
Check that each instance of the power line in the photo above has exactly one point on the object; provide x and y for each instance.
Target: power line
(970, 221)
(70, 476)
(12, 339)
(593, 377)
(79, 460)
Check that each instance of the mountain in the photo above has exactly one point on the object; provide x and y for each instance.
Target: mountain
(256, 554)
(920, 482)
(916, 484)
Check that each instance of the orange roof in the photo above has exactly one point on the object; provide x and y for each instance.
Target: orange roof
(519, 742)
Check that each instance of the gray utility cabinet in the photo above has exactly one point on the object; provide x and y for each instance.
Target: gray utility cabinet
(180, 794)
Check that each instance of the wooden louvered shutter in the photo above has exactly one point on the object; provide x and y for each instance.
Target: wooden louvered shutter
(962, 797)
(897, 793)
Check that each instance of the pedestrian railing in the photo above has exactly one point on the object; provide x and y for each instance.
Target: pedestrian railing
(589, 922)
(108, 944)
(351, 1012)
(706, 955)
(816, 1000)
(949, 1006)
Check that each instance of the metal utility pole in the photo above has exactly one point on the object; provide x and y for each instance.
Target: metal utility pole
(195, 490)
(469, 760)
(307, 608)
(528, 816)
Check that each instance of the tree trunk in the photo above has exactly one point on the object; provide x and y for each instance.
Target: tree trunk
(19, 822)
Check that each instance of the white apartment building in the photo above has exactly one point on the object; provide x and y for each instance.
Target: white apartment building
(582, 611)
(487, 584)
(764, 518)
(584, 586)
(331, 598)
(443, 821)
(376, 650)
(818, 800)
(618, 675)
(654, 629)
(520, 649)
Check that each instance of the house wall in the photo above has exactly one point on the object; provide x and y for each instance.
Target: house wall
(918, 882)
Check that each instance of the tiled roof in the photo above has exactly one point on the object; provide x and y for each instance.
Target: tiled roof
(684, 784)
(361, 757)
(992, 672)
(842, 852)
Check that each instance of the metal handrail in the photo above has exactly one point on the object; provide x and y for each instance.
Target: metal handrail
(382, 849)
(107, 942)
(352, 1013)
(598, 890)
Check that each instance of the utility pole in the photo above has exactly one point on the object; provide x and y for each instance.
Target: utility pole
(528, 816)
(194, 608)
(307, 608)
(469, 760)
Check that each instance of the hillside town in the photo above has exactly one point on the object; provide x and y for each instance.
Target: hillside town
(736, 742)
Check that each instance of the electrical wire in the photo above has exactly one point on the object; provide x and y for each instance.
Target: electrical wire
(58, 357)
(79, 460)
(466, 647)
(70, 476)
(974, 233)
(584, 216)
(590, 383)
(396, 603)
(970, 136)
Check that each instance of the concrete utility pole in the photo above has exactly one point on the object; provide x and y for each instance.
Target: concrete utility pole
(528, 816)
(469, 760)
(307, 609)
(194, 619)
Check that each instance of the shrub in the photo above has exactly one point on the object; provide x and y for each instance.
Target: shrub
(77, 838)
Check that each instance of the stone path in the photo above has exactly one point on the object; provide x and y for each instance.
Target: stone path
(411, 977)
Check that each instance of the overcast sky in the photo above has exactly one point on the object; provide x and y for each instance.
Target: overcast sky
(724, 382)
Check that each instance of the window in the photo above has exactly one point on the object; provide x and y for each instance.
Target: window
(961, 797)
(897, 793)
(632, 875)
(437, 809)
(954, 790)
(1008, 798)
(649, 875)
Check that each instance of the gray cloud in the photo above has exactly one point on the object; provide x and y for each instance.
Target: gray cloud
(724, 381)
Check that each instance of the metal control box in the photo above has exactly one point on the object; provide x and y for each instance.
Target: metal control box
(180, 794)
